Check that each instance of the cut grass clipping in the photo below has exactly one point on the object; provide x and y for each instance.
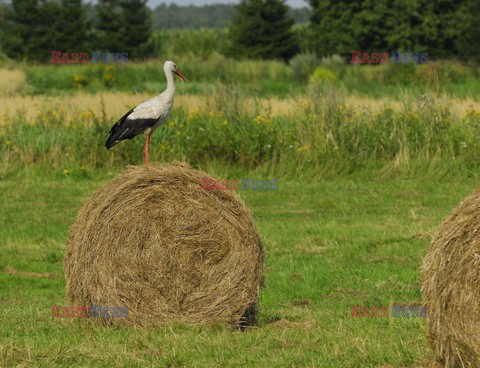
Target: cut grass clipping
(153, 241)
(451, 286)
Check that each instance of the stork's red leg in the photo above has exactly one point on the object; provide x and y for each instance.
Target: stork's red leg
(147, 140)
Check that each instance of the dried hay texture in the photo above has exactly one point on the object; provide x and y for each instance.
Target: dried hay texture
(451, 286)
(154, 241)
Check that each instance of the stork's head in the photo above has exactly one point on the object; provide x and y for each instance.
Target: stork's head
(171, 67)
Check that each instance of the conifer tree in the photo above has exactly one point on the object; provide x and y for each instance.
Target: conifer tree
(72, 27)
(262, 29)
(136, 28)
(108, 27)
(19, 29)
(48, 32)
(467, 44)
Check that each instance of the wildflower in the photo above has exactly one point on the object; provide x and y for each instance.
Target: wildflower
(258, 119)
(178, 132)
(172, 123)
(463, 144)
(302, 148)
(8, 142)
(82, 168)
(471, 113)
(67, 171)
(108, 75)
(225, 122)
(79, 80)
(87, 114)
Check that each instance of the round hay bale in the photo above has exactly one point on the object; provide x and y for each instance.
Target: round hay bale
(451, 286)
(153, 241)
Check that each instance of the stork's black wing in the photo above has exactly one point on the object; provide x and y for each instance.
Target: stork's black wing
(127, 129)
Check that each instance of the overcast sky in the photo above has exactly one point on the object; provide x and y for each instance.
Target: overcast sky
(153, 3)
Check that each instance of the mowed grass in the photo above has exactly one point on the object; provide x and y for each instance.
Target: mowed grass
(329, 245)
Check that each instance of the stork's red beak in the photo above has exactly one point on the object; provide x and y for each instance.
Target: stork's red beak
(179, 73)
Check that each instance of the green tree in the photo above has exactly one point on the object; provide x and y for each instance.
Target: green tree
(262, 29)
(108, 27)
(47, 32)
(19, 29)
(136, 28)
(72, 27)
(333, 26)
(208, 16)
(439, 28)
(29, 29)
(467, 43)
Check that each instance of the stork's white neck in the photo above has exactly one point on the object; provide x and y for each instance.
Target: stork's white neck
(170, 81)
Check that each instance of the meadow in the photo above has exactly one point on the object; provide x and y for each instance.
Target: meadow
(368, 165)
(330, 244)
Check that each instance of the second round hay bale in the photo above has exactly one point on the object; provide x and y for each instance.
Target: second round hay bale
(153, 241)
(451, 286)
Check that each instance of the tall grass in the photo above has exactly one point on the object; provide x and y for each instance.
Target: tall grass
(271, 77)
(13, 82)
(254, 77)
(324, 137)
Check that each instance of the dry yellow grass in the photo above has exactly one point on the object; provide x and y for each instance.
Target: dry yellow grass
(13, 82)
(117, 103)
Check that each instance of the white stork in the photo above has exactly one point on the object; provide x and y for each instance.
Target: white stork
(147, 116)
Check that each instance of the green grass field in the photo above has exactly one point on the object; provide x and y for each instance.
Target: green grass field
(368, 164)
(330, 244)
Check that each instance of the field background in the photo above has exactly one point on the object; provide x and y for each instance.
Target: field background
(369, 160)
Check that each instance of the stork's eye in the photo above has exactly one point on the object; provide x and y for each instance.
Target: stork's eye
(174, 66)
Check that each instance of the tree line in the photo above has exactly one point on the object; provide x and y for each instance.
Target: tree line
(32, 29)
(264, 29)
(173, 16)
(442, 28)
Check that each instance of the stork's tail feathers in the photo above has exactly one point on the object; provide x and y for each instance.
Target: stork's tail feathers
(116, 132)
(112, 141)
(128, 128)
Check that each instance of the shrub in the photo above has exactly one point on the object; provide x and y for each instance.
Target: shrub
(303, 65)
(332, 62)
(322, 75)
